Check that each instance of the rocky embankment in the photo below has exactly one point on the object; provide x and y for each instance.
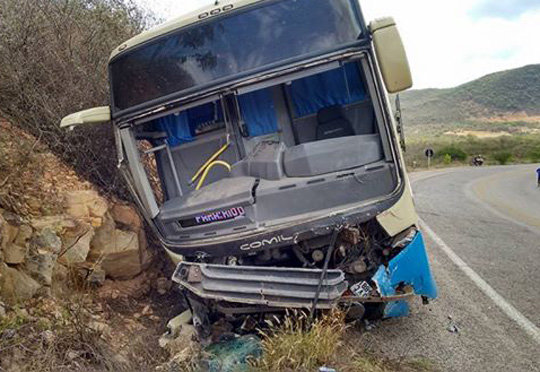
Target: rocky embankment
(55, 228)
(81, 288)
(92, 240)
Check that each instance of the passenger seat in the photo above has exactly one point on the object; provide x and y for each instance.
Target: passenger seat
(332, 123)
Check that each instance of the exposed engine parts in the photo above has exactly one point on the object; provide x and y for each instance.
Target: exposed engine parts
(319, 273)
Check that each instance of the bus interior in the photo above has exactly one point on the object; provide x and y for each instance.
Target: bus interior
(276, 151)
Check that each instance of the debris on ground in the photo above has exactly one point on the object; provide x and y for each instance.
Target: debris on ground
(232, 354)
(370, 325)
(326, 369)
(452, 325)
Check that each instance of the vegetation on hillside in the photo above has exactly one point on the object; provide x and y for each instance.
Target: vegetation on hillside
(511, 91)
(502, 150)
(497, 116)
(53, 61)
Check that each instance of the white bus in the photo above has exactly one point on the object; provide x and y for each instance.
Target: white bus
(258, 139)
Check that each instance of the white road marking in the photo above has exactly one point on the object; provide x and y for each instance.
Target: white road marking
(514, 314)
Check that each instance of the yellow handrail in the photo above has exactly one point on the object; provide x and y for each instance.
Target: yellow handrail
(207, 169)
(210, 160)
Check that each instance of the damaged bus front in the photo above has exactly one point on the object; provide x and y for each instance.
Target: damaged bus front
(259, 142)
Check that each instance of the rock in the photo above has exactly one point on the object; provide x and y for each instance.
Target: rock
(76, 243)
(34, 204)
(85, 204)
(120, 257)
(3, 310)
(15, 285)
(40, 264)
(72, 354)
(8, 232)
(44, 292)
(23, 313)
(14, 254)
(54, 222)
(96, 276)
(48, 336)
(60, 278)
(185, 341)
(127, 216)
(24, 235)
(103, 238)
(175, 324)
(174, 328)
(47, 240)
(11, 218)
(99, 327)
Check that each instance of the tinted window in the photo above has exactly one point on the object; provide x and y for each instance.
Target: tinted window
(227, 46)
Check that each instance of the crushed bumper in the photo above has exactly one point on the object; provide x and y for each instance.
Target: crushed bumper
(268, 286)
(407, 275)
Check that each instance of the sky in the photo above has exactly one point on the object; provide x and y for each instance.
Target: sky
(448, 42)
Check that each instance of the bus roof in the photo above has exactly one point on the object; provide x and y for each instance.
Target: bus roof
(182, 21)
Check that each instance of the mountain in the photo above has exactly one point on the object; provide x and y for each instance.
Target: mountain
(501, 94)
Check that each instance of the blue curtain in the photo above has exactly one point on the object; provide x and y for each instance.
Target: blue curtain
(329, 88)
(177, 128)
(259, 112)
(181, 128)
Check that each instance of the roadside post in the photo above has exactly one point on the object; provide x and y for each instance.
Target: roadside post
(429, 154)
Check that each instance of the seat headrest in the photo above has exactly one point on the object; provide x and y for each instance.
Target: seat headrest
(331, 113)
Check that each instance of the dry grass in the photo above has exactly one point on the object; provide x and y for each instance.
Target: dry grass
(81, 332)
(292, 345)
(53, 339)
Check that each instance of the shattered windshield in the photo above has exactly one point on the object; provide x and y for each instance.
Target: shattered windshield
(231, 45)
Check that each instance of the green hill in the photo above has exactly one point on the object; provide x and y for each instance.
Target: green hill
(504, 93)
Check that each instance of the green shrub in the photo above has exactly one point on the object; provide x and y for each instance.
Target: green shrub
(447, 159)
(502, 157)
(456, 153)
(534, 154)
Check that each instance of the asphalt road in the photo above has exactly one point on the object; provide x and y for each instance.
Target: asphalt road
(482, 228)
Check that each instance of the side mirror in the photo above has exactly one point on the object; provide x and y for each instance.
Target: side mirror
(96, 115)
(391, 55)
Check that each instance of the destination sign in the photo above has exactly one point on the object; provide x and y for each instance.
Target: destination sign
(217, 216)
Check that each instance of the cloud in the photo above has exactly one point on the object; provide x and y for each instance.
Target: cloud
(507, 9)
(447, 46)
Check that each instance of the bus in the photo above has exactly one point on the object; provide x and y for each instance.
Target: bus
(258, 139)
